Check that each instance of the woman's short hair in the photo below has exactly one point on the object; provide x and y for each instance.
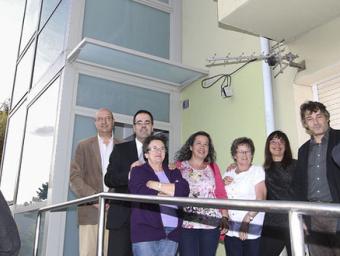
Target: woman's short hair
(185, 153)
(287, 156)
(242, 141)
(151, 138)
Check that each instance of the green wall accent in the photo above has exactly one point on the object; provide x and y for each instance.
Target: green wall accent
(228, 118)
(223, 118)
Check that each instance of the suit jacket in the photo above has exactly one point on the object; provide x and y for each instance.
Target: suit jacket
(116, 177)
(300, 178)
(9, 235)
(86, 177)
(122, 156)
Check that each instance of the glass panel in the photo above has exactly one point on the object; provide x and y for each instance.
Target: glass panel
(51, 41)
(12, 151)
(128, 24)
(26, 223)
(164, 1)
(47, 8)
(38, 145)
(96, 93)
(30, 21)
(122, 60)
(71, 239)
(84, 128)
(23, 75)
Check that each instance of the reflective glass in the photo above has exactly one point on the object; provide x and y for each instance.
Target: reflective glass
(121, 98)
(128, 24)
(26, 223)
(30, 21)
(23, 75)
(38, 145)
(141, 65)
(84, 128)
(12, 152)
(51, 41)
(47, 8)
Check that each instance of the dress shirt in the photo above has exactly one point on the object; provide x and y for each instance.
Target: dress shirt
(105, 152)
(318, 188)
(140, 151)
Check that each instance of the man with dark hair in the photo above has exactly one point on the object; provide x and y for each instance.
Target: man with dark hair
(317, 178)
(123, 158)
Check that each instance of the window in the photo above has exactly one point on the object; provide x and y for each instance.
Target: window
(51, 41)
(23, 75)
(328, 92)
(47, 8)
(32, 11)
(38, 146)
(96, 93)
(12, 151)
(129, 24)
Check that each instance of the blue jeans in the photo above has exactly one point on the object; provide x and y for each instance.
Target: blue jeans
(198, 242)
(234, 246)
(163, 247)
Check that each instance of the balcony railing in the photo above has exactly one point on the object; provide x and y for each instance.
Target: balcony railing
(295, 210)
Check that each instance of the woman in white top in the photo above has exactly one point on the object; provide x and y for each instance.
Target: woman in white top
(246, 181)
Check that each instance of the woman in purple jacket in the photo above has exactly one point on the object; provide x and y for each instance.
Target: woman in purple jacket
(155, 228)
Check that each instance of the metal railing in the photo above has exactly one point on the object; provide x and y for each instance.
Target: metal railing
(295, 211)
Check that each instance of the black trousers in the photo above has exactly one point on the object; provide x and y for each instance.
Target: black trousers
(323, 238)
(120, 242)
(273, 240)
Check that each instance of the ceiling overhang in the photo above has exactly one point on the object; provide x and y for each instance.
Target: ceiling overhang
(277, 20)
(127, 61)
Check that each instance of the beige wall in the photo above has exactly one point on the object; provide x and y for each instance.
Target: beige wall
(320, 48)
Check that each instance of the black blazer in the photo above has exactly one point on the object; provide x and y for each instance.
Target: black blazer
(300, 178)
(122, 156)
(9, 235)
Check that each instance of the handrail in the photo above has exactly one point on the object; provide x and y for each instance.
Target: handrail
(294, 209)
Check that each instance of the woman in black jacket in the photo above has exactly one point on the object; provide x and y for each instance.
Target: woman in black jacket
(279, 167)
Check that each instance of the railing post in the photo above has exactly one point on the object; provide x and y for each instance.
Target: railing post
(296, 234)
(36, 238)
(100, 237)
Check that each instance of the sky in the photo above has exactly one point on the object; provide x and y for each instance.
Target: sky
(11, 13)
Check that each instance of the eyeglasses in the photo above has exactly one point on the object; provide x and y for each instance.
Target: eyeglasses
(248, 152)
(141, 123)
(157, 149)
(277, 142)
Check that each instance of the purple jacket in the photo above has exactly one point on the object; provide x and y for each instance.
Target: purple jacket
(146, 222)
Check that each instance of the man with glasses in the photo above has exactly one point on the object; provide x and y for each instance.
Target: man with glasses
(317, 177)
(87, 178)
(124, 157)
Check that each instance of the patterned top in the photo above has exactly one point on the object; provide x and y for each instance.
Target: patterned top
(202, 185)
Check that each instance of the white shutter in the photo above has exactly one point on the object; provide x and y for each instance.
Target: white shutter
(329, 94)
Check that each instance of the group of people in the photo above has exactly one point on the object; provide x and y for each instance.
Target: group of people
(141, 167)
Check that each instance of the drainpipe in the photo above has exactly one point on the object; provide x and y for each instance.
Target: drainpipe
(267, 88)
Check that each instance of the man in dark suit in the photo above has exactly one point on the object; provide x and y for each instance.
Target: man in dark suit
(9, 235)
(123, 158)
(87, 178)
(317, 177)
